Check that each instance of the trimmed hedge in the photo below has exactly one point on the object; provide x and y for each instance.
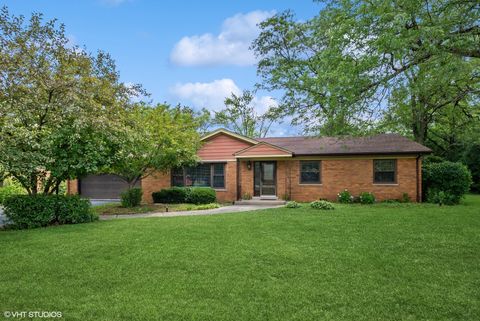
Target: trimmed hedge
(445, 182)
(131, 197)
(201, 195)
(366, 198)
(31, 211)
(193, 195)
(10, 190)
(322, 205)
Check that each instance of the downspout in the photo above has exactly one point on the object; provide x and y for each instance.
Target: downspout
(239, 186)
(418, 178)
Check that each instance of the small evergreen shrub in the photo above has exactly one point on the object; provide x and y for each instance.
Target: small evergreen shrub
(31, 211)
(131, 197)
(292, 204)
(201, 195)
(322, 205)
(452, 179)
(366, 198)
(345, 197)
(172, 195)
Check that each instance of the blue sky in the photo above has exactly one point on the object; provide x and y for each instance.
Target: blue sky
(189, 52)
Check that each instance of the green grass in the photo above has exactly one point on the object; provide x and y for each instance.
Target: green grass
(380, 262)
(117, 209)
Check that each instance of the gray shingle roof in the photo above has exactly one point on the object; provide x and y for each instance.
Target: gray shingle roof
(378, 144)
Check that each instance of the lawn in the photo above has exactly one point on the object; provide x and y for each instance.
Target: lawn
(380, 262)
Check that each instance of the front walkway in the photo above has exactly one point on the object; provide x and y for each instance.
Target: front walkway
(221, 210)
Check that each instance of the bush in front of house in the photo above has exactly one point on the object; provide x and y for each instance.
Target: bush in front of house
(31, 211)
(201, 195)
(172, 195)
(292, 204)
(445, 182)
(131, 197)
(345, 197)
(9, 189)
(322, 205)
(193, 195)
(366, 198)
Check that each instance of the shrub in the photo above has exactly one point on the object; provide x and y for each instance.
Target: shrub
(172, 195)
(131, 197)
(440, 197)
(366, 198)
(30, 211)
(345, 197)
(11, 188)
(453, 179)
(292, 204)
(201, 195)
(405, 198)
(322, 205)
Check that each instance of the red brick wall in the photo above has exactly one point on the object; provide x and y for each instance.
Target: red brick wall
(158, 181)
(72, 186)
(356, 175)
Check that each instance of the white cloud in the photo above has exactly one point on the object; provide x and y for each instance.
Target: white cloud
(211, 95)
(230, 47)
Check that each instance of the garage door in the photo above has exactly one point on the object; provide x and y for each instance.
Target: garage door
(103, 186)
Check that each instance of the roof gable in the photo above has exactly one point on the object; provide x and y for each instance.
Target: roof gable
(263, 149)
(224, 131)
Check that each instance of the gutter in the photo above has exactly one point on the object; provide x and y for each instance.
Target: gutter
(419, 197)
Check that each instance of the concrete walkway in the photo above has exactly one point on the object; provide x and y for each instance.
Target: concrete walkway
(221, 210)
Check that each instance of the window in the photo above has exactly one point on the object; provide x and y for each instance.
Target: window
(384, 170)
(310, 172)
(204, 174)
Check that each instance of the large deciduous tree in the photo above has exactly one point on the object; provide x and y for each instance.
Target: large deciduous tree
(358, 61)
(58, 104)
(155, 139)
(240, 116)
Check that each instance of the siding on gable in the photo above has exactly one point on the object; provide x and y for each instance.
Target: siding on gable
(263, 149)
(221, 147)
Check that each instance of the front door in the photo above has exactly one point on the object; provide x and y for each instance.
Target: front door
(265, 180)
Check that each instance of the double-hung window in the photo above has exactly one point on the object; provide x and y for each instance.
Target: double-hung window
(385, 171)
(310, 172)
(201, 175)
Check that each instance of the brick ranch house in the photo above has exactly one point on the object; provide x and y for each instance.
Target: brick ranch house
(297, 168)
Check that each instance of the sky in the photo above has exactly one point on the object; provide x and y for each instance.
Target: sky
(194, 53)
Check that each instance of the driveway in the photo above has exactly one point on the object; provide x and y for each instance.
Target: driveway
(221, 210)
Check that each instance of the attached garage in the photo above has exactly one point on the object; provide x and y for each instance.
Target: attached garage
(103, 186)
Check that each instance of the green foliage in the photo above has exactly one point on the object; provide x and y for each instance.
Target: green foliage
(430, 159)
(31, 211)
(446, 182)
(322, 205)
(366, 198)
(59, 105)
(412, 62)
(153, 139)
(131, 197)
(345, 197)
(172, 195)
(240, 116)
(201, 195)
(292, 204)
(9, 189)
(472, 160)
(441, 197)
(405, 198)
